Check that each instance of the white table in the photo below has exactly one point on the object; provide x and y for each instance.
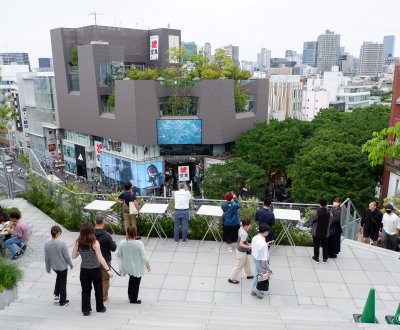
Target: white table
(287, 218)
(154, 211)
(99, 205)
(212, 214)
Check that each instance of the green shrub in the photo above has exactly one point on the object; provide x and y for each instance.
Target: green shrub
(10, 274)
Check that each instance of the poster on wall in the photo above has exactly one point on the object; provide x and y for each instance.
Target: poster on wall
(51, 141)
(153, 48)
(183, 173)
(98, 149)
(142, 175)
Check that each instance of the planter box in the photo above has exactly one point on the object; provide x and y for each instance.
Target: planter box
(7, 297)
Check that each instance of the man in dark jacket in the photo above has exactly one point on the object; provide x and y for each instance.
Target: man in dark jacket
(265, 215)
(322, 219)
(371, 222)
(106, 245)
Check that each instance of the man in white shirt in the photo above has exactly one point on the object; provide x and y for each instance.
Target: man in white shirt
(391, 228)
(259, 251)
(182, 198)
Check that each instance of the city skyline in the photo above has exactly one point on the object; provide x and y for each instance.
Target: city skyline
(219, 22)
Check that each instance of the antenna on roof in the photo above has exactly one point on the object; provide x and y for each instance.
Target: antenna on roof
(95, 13)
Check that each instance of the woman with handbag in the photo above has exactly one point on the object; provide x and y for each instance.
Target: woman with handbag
(89, 249)
(230, 219)
(129, 205)
(132, 258)
(242, 250)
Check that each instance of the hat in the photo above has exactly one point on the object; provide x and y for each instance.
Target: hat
(389, 207)
(229, 196)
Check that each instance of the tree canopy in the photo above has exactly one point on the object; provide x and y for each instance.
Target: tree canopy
(234, 175)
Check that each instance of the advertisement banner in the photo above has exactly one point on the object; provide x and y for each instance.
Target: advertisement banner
(80, 158)
(98, 149)
(153, 48)
(51, 141)
(183, 172)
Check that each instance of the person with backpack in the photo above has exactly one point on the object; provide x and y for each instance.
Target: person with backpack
(125, 198)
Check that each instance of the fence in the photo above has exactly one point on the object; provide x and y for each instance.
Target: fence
(350, 218)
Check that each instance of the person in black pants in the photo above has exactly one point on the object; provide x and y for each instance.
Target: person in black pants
(89, 249)
(321, 219)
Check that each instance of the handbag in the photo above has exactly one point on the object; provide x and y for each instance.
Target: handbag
(130, 208)
(263, 281)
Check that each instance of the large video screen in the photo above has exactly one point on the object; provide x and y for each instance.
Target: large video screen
(141, 175)
(179, 131)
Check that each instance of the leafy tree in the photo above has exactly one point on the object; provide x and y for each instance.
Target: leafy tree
(111, 99)
(211, 72)
(241, 98)
(7, 112)
(147, 74)
(74, 55)
(274, 144)
(200, 62)
(234, 175)
(384, 143)
(178, 102)
(332, 170)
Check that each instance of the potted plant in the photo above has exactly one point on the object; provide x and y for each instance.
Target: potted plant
(10, 275)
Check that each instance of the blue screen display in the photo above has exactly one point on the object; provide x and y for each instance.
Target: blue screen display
(179, 131)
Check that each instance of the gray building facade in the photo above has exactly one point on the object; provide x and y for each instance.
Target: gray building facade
(310, 53)
(141, 133)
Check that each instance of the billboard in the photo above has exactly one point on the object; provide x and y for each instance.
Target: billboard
(98, 148)
(153, 47)
(141, 175)
(179, 131)
(80, 159)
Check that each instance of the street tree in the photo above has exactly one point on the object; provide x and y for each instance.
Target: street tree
(234, 175)
(331, 170)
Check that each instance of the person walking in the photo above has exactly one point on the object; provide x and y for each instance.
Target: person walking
(321, 219)
(126, 197)
(242, 249)
(371, 223)
(259, 251)
(265, 215)
(391, 229)
(107, 245)
(89, 249)
(132, 261)
(335, 230)
(57, 258)
(19, 235)
(182, 198)
(230, 219)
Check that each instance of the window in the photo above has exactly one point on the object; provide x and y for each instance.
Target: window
(178, 105)
(73, 79)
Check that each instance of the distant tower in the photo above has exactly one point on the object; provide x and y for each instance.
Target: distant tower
(207, 50)
(233, 53)
(328, 51)
(371, 59)
(310, 53)
(388, 42)
(264, 59)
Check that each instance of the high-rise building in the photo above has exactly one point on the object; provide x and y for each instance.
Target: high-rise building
(371, 59)
(15, 58)
(310, 53)
(191, 49)
(207, 50)
(290, 53)
(328, 51)
(233, 53)
(264, 59)
(388, 42)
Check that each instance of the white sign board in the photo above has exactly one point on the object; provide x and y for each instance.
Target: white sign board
(183, 172)
(287, 214)
(153, 48)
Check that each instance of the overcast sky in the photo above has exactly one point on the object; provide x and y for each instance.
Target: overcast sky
(250, 24)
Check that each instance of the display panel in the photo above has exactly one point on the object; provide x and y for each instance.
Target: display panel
(179, 131)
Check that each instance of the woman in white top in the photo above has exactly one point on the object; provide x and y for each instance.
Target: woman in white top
(242, 261)
(132, 260)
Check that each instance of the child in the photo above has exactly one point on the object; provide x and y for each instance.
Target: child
(57, 258)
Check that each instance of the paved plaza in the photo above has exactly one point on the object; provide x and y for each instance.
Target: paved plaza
(188, 288)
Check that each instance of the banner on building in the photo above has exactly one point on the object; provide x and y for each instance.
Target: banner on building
(80, 158)
(98, 149)
(183, 173)
(51, 141)
(153, 48)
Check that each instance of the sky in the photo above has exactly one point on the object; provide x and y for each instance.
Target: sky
(249, 24)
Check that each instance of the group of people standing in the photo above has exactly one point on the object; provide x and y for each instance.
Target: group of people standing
(95, 245)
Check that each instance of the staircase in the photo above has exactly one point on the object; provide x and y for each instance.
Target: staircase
(39, 314)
